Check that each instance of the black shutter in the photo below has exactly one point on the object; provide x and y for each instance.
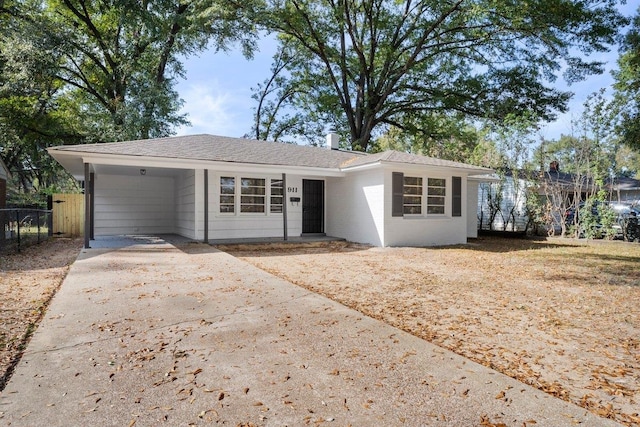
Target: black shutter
(456, 196)
(397, 199)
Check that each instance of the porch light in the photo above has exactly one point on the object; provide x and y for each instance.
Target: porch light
(143, 171)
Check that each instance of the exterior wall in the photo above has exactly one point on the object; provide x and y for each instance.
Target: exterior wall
(472, 209)
(425, 230)
(185, 204)
(356, 206)
(134, 205)
(253, 225)
(627, 196)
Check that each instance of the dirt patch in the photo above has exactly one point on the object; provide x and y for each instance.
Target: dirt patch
(560, 315)
(28, 281)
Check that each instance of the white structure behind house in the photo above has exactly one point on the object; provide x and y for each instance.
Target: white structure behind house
(502, 204)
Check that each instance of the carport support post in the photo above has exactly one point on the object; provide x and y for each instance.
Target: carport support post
(284, 206)
(87, 205)
(92, 185)
(206, 206)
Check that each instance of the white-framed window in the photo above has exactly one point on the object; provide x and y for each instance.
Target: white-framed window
(412, 195)
(276, 197)
(252, 195)
(227, 194)
(436, 196)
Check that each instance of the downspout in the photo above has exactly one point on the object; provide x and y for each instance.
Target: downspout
(284, 206)
(206, 206)
(87, 206)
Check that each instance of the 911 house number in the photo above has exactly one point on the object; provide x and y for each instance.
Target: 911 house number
(292, 189)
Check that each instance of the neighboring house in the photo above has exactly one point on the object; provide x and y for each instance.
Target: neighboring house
(208, 187)
(625, 190)
(502, 203)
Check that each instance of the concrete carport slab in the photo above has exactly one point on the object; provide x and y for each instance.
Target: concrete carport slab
(155, 334)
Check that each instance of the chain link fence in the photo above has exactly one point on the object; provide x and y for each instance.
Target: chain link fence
(22, 227)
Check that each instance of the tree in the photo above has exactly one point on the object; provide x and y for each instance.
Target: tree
(447, 137)
(366, 65)
(627, 85)
(85, 71)
(588, 155)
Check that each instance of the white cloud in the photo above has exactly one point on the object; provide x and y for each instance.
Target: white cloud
(213, 109)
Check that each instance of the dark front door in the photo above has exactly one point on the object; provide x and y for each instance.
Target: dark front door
(312, 206)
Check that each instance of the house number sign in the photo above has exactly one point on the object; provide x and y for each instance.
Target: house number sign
(292, 189)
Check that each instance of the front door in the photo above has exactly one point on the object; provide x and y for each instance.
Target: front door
(312, 206)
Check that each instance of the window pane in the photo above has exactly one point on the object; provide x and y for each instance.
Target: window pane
(253, 190)
(412, 210)
(436, 191)
(435, 201)
(227, 208)
(252, 182)
(412, 190)
(227, 200)
(413, 200)
(252, 200)
(437, 182)
(227, 180)
(412, 180)
(435, 209)
(252, 208)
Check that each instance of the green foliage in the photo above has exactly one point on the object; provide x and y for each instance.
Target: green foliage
(589, 221)
(627, 86)
(78, 71)
(449, 138)
(367, 66)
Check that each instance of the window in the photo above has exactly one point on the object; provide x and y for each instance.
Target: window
(277, 196)
(412, 195)
(252, 195)
(436, 192)
(227, 194)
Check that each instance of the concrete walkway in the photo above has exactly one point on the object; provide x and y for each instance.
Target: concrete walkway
(153, 334)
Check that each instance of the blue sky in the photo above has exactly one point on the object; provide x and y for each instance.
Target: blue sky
(217, 90)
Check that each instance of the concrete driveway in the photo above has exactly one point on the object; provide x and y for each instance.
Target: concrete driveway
(158, 334)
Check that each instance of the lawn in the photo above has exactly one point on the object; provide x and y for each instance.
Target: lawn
(560, 314)
(28, 281)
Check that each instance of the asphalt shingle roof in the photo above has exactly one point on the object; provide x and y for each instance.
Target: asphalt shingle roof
(247, 151)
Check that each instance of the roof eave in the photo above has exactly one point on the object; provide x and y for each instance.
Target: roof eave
(74, 163)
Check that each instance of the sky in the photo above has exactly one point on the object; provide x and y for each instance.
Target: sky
(217, 90)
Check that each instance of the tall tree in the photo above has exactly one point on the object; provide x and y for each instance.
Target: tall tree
(627, 85)
(369, 64)
(105, 69)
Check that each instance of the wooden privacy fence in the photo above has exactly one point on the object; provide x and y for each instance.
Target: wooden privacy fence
(68, 215)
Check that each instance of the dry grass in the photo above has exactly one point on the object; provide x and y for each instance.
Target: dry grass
(28, 281)
(561, 315)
